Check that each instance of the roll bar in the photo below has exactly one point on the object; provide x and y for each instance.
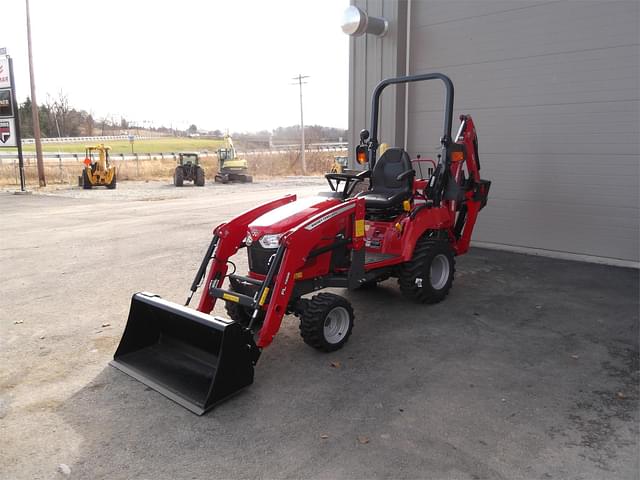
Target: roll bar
(375, 104)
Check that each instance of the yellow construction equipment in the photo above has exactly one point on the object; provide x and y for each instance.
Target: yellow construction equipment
(339, 164)
(98, 170)
(230, 167)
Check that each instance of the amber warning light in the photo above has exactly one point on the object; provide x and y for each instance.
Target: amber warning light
(457, 156)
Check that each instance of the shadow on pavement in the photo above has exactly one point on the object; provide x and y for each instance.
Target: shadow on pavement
(529, 369)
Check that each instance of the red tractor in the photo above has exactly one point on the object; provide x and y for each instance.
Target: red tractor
(401, 226)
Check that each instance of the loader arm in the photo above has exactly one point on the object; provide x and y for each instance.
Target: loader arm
(229, 239)
(295, 248)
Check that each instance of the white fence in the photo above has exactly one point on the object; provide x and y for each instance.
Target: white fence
(55, 157)
(31, 141)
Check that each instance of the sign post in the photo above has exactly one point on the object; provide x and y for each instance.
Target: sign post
(9, 114)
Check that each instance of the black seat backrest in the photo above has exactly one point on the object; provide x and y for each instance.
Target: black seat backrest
(392, 163)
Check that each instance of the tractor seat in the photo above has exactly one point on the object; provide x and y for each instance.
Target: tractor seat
(391, 180)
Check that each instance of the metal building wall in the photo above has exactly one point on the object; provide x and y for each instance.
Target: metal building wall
(372, 59)
(554, 89)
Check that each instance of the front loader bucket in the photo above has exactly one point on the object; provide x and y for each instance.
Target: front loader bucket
(194, 359)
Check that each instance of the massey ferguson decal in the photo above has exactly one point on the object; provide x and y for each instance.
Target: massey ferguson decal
(5, 131)
(4, 73)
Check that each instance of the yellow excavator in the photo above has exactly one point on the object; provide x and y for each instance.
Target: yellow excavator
(230, 167)
(339, 164)
(98, 170)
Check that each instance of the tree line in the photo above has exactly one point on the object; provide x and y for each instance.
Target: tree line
(59, 119)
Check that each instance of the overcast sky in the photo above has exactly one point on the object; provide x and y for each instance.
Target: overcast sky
(218, 64)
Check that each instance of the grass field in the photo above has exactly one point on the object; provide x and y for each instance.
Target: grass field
(155, 145)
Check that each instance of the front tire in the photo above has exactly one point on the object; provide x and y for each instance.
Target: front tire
(86, 184)
(326, 322)
(199, 177)
(112, 184)
(178, 177)
(428, 276)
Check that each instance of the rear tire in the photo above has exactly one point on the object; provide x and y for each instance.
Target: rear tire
(112, 184)
(326, 322)
(199, 177)
(428, 276)
(178, 177)
(86, 184)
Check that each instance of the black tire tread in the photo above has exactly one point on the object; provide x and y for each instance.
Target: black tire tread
(112, 184)
(426, 248)
(199, 177)
(178, 177)
(86, 184)
(312, 321)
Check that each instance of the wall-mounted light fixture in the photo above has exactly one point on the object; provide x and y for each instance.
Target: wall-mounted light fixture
(356, 22)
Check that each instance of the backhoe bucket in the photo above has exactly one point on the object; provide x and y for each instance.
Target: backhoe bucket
(194, 359)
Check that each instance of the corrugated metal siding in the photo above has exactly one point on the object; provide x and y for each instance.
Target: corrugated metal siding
(554, 88)
(371, 60)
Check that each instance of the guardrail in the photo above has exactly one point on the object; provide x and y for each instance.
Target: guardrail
(79, 156)
(50, 157)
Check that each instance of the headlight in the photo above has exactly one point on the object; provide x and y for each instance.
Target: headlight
(271, 241)
(248, 240)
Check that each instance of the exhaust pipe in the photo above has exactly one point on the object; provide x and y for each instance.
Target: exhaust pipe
(194, 359)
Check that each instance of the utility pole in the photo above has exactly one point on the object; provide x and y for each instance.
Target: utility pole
(34, 107)
(12, 82)
(299, 79)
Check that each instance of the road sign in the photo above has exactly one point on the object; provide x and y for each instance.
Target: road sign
(9, 125)
(8, 135)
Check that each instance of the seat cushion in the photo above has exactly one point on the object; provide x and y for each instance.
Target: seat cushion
(378, 200)
(386, 190)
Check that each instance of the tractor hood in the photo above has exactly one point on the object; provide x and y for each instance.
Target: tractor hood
(286, 217)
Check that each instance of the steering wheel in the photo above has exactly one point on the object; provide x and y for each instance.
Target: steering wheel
(350, 180)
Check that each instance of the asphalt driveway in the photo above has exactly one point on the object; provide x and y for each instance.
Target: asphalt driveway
(529, 369)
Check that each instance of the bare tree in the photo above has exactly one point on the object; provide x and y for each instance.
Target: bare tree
(62, 112)
(89, 123)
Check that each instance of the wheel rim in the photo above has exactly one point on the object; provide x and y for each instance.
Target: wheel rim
(336, 324)
(439, 271)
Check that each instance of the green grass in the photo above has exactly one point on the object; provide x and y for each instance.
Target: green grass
(156, 145)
